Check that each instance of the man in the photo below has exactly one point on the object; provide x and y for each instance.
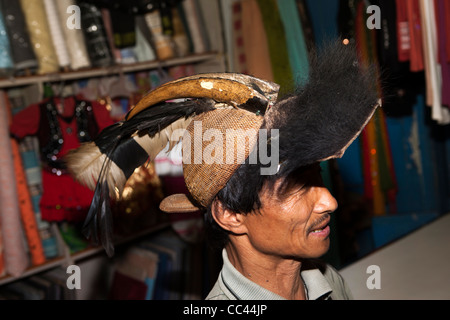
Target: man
(270, 252)
(251, 162)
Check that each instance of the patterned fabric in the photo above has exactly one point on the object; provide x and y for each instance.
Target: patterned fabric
(56, 32)
(21, 48)
(95, 35)
(25, 204)
(15, 256)
(6, 63)
(62, 198)
(36, 21)
(79, 57)
(239, 50)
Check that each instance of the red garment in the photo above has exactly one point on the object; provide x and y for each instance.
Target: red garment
(404, 40)
(62, 198)
(415, 28)
(410, 46)
(447, 27)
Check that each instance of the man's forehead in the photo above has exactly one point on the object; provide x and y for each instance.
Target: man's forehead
(306, 176)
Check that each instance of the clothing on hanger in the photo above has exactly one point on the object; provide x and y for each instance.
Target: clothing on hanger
(60, 130)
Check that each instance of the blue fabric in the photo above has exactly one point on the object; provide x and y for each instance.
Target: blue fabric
(324, 15)
(6, 62)
(350, 168)
(414, 162)
(295, 40)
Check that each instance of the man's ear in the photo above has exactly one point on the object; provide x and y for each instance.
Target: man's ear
(228, 219)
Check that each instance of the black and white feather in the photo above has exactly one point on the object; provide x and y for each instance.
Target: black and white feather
(105, 164)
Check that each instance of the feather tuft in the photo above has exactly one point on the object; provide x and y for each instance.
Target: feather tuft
(106, 164)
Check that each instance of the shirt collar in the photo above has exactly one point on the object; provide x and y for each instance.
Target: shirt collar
(239, 287)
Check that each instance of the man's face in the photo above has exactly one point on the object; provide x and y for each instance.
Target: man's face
(296, 223)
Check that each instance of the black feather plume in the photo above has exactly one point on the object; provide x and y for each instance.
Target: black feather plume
(113, 147)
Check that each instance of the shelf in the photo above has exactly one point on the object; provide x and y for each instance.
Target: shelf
(67, 258)
(63, 261)
(105, 71)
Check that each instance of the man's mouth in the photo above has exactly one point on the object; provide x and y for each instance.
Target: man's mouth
(321, 226)
(317, 230)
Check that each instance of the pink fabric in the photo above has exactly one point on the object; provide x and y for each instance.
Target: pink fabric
(443, 54)
(15, 255)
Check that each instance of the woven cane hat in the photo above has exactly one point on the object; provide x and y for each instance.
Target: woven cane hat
(204, 179)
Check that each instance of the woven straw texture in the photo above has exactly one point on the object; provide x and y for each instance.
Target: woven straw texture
(215, 144)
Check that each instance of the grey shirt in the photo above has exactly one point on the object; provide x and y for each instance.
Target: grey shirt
(232, 285)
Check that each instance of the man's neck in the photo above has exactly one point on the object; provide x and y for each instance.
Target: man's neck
(276, 274)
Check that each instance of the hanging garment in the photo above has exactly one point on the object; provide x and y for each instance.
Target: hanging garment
(346, 20)
(180, 34)
(409, 24)
(323, 17)
(146, 37)
(239, 54)
(106, 16)
(162, 43)
(447, 27)
(305, 20)
(123, 28)
(74, 36)
(403, 34)
(15, 256)
(143, 49)
(378, 170)
(443, 51)
(279, 57)
(38, 28)
(21, 48)
(95, 35)
(27, 213)
(400, 84)
(414, 161)
(254, 41)
(61, 128)
(56, 32)
(432, 68)
(415, 29)
(194, 21)
(6, 62)
(210, 13)
(295, 40)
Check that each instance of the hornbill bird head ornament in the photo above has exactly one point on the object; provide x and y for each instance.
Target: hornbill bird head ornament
(315, 123)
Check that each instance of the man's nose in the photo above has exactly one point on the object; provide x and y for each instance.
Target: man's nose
(325, 203)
